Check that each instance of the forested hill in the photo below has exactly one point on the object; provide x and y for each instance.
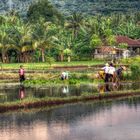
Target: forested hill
(83, 6)
(98, 6)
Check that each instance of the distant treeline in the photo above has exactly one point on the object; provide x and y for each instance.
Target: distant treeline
(47, 35)
(88, 7)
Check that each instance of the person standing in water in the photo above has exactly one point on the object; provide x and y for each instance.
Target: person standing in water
(111, 73)
(106, 70)
(21, 74)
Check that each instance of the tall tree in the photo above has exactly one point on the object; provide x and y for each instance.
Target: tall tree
(74, 22)
(42, 36)
(44, 9)
(21, 35)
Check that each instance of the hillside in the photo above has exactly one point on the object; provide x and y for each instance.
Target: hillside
(18, 5)
(85, 6)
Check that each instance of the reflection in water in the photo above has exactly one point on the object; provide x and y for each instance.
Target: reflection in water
(65, 89)
(107, 87)
(90, 121)
(13, 93)
(21, 92)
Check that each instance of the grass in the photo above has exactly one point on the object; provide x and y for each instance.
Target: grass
(46, 65)
(43, 82)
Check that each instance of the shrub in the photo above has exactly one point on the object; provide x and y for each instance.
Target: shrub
(73, 81)
(135, 72)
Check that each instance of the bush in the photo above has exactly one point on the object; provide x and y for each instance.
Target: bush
(135, 72)
(73, 81)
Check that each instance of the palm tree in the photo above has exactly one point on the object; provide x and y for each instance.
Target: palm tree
(15, 36)
(4, 38)
(129, 29)
(62, 40)
(42, 36)
(22, 34)
(74, 22)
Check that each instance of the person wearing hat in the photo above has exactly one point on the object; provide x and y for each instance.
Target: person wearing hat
(111, 72)
(106, 70)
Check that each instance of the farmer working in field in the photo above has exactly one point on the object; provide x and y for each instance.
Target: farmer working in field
(106, 74)
(119, 72)
(111, 73)
(21, 74)
(64, 75)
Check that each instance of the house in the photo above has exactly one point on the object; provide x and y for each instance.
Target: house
(115, 52)
(108, 52)
(133, 45)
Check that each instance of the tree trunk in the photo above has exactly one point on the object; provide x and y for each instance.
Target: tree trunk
(20, 57)
(43, 55)
(24, 57)
(69, 58)
(7, 59)
(3, 57)
(61, 57)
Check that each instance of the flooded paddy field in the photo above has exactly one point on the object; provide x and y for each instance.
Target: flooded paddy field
(116, 120)
(13, 91)
(101, 120)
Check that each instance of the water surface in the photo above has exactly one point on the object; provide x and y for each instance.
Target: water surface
(9, 93)
(118, 120)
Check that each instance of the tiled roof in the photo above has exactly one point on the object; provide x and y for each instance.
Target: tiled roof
(108, 49)
(127, 40)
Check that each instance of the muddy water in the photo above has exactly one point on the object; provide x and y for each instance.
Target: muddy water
(15, 92)
(118, 120)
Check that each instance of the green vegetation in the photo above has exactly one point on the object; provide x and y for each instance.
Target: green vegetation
(131, 60)
(135, 72)
(46, 65)
(54, 79)
(46, 35)
(56, 34)
(57, 81)
(123, 45)
(43, 9)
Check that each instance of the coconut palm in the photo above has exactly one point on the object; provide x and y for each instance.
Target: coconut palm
(74, 22)
(22, 35)
(129, 29)
(4, 38)
(62, 40)
(42, 35)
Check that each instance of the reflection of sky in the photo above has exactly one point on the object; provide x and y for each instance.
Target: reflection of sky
(116, 122)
